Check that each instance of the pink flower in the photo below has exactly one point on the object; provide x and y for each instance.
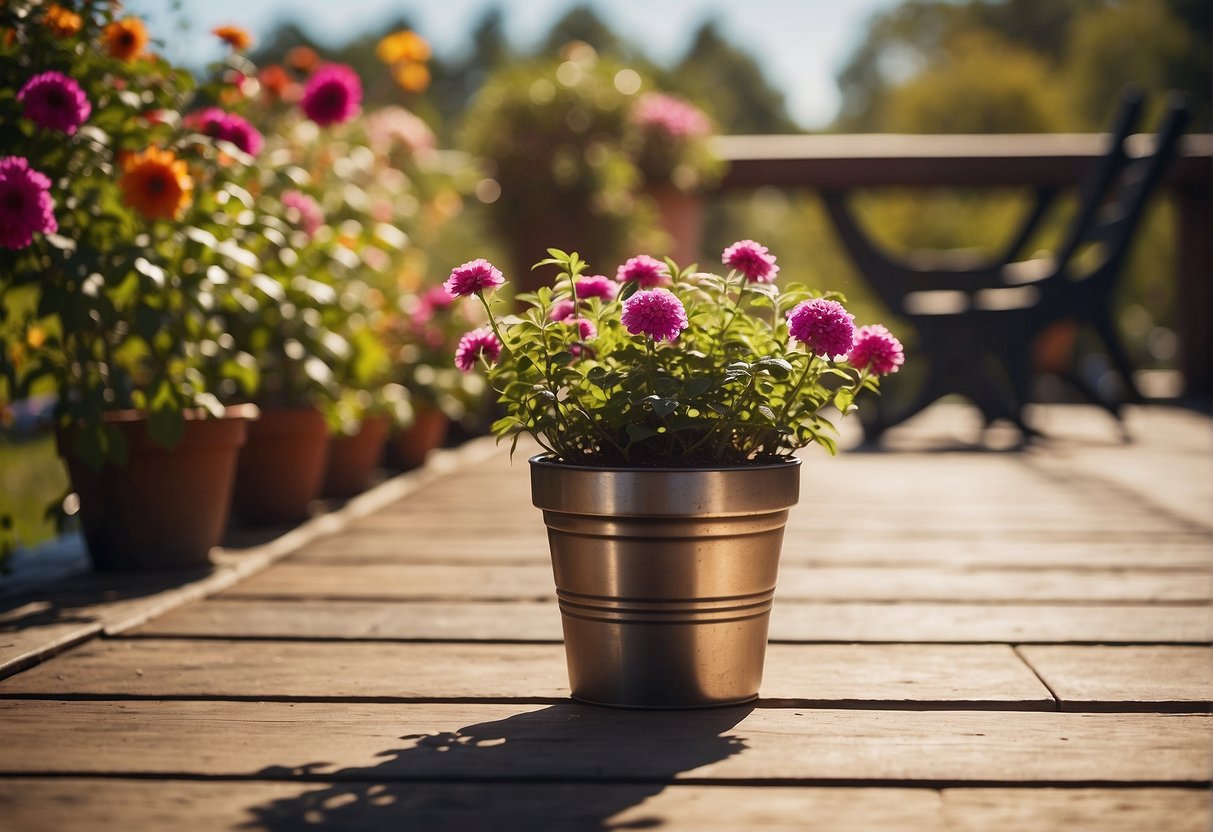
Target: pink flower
(54, 101)
(474, 344)
(437, 297)
(670, 115)
(310, 215)
(876, 350)
(561, 309)
(655, 313)
(645, 270)
(823, 326)
(585, 328)
(332, 95)
(391, 127)
(228, 127)
(26, 207)
(752, 260)
(472, 277)
(595, 286)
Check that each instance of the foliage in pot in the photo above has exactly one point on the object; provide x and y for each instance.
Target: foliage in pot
(651, 395)
(113, 251)
(112, 209)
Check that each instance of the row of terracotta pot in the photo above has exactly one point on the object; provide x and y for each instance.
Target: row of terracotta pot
(166, 509)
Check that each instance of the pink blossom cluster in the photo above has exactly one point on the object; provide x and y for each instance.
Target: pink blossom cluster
(751, 259)
(656, 313)
(824, 326)
(473, 276)
(876, 350)
(228, 127)
(26, 207)
(54, 101)
(644, 270)
(473, 345)
(670, 115)
(333, 95)
(596, 286)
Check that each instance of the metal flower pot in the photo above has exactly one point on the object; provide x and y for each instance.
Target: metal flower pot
(665, 577)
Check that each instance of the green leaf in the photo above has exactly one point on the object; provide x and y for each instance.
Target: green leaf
(697, 386)
(662, 407)
(767, 413)
(638, 433)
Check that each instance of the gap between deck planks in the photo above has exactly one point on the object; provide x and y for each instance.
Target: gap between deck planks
(986, 677)
(53, 805)
(572, 742)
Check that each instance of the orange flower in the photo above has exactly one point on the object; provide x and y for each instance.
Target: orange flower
(35, 336)
(156, 183)
(303, 58)
(61, 22)
(274, 80)
(235, 37)
(412, 77)
(125, 39)
(403, 46)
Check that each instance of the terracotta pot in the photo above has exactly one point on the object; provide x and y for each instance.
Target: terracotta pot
(681, 217)
(409, 447)
(281, 467)
(165, 508)
(665, 577)
(353, 459)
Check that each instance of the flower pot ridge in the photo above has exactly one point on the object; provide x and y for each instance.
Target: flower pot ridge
(665, 577)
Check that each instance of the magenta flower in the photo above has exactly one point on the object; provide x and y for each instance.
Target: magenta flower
(310, 214)
(876, 350)
(595, 286)
(752, 260)
(437, 297)
(655, 313)
(54, 101)
(228, 127)
(242, 134)
(332, 95)
(823, 326)
(474, 344)
(645, 270)
(472, 277)
(585, 328)
(672, 116)
(561, 309)
(26, 207)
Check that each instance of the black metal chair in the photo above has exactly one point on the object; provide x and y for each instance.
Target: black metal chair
(979, 324)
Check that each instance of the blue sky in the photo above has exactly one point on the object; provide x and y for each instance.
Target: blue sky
(801, 44)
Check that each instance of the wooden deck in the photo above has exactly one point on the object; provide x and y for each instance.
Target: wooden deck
(963, 638)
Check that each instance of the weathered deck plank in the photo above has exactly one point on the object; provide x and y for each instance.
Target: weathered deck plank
(1125, 678)
(438, 741)
(534, 583)
(881, 676)
(790, 622)
(110, 804)
(523, 541)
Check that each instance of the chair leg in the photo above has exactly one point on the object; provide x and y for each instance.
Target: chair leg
(1106, 330)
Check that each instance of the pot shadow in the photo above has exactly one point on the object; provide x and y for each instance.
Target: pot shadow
(566, 766)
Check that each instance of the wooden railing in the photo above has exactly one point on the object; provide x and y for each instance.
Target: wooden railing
(834, 161)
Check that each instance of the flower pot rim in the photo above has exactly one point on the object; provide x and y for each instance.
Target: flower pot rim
(548, 460)
(130, 414)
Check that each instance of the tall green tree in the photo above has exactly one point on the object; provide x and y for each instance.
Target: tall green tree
(730, 85)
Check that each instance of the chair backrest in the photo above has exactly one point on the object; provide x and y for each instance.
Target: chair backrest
(1114, 197)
